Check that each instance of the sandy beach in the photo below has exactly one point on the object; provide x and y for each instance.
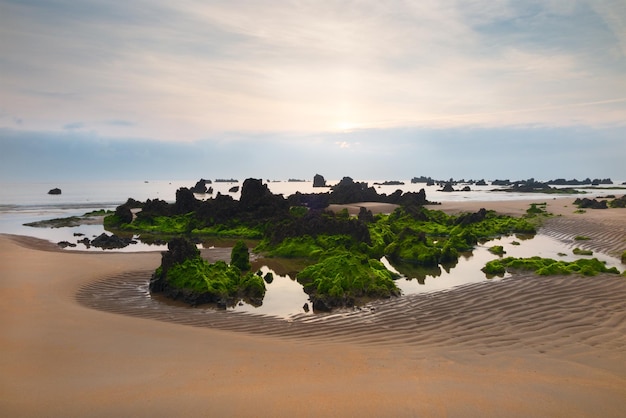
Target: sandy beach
(78, 339)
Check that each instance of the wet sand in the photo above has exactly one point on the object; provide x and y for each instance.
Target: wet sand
(521, 346)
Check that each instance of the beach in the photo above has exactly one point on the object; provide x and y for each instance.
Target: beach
(520, 346)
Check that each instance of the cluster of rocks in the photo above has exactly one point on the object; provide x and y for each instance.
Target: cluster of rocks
(104, 241)
(443, 183)
(201, 187)
(586, 203)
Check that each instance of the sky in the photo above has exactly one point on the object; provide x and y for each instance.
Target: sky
(287, 89)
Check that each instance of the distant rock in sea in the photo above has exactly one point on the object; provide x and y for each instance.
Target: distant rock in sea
(56, 190)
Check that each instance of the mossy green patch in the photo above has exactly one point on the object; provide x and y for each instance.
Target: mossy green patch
(548, 266)
(342, 278)
(218, 281)
(497, 250)
(580, 251)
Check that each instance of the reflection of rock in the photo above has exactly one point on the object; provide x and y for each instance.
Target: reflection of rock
(56, 190)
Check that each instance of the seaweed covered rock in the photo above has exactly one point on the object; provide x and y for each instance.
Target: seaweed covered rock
(548, 266)
(240, 257)
(185, 275)
(342, 279)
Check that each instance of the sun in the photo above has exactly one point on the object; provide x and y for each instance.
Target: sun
(346, 126)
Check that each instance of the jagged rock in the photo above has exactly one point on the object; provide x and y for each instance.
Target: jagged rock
(234, 189)
(109, 242)
(56, 190)
(200, 186)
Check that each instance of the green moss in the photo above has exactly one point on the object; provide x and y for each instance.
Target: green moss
(497, 250)
(548, 266)
(580, 251)
(624, 257)
(217, 280)
(240, 257)
(342, 278)
(581, 238)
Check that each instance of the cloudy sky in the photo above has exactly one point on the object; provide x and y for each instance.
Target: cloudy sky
(268, 88)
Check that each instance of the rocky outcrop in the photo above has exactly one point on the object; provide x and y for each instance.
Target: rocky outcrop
(319, 181)
(586, 203)
(201, 186)
(447, 188)
(56, 190)
(110, 242)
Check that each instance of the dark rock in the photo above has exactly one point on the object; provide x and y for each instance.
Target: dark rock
(466, 189)
(65, 244)
(471, 218)
(234, 189)
(365, 215)
(448, 188)
(306, 307)
(110, 242)
(56, 190)
(185, 201)
(319, 181)
(320, 305)
(200, 187)
(586, 203)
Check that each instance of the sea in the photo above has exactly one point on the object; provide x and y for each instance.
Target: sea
(24, 202)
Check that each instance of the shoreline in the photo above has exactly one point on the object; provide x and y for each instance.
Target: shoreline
(477, 350)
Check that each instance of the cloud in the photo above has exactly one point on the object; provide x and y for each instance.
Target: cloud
(120, 123)
(189, 70)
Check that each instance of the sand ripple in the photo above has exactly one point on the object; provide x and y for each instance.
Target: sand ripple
(517, 312)
(607, 235)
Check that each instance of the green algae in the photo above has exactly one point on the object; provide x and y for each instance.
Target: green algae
(548, 266)
(342, 279)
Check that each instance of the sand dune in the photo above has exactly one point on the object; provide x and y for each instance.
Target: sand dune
(80, 337)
